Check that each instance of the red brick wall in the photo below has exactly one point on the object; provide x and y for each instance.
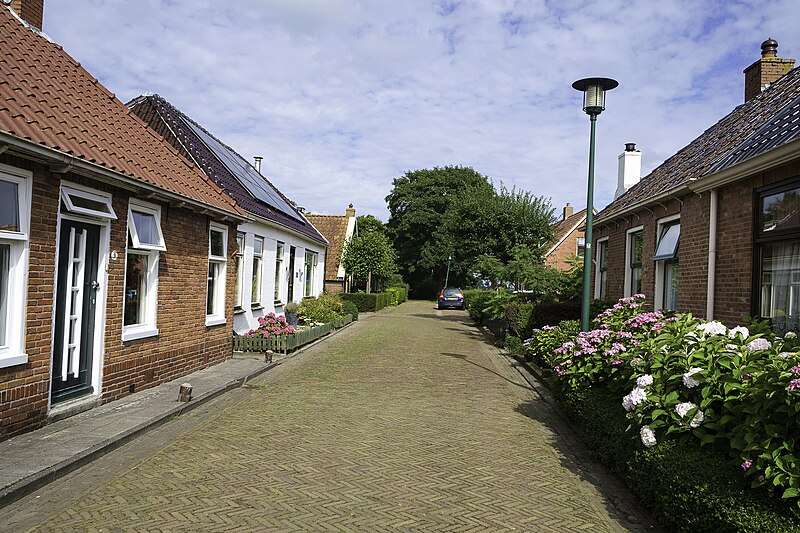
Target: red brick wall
(735, 249)
(184, 343)
(558, 257)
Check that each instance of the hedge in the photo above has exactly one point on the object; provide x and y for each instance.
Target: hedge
(397, 295)
(367, 302)
(687, 487)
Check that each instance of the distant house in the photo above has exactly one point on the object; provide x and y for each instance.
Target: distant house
(115, 251)
(279, 252)
(715, 229)
(338, 230)
(568, 239)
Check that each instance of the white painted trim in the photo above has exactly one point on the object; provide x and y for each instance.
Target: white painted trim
(13, 353)
(147, 209)
(74, 189)
(218, 316)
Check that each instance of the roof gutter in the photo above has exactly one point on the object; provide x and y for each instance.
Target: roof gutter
(664, 196)
(777, 157)
(61, 162)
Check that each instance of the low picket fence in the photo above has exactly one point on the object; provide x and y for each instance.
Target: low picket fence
(287, 343)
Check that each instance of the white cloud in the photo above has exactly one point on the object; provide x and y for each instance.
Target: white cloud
(342, 96)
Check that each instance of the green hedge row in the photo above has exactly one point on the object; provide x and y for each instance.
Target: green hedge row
(377, 300)
(687, 487)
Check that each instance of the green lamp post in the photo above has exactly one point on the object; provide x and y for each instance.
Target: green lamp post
(594, 96)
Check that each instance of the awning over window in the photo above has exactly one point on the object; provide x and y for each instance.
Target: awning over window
(668, 244)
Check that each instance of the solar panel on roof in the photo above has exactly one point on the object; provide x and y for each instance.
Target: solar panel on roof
(244, 173)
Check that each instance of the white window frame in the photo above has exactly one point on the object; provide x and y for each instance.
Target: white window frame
(148, 209)
(308, 286)
(628, 252)
(280, 250)
(73, 189)
(148, 327)
(257, 277)
(600, 243)
(12, 352)
(241, 243)
(217, 316)
(658, 301)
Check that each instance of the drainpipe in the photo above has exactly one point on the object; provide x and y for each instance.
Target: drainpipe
(712, 254)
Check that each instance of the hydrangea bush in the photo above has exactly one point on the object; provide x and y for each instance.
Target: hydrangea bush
(679, 377)
(271, 325)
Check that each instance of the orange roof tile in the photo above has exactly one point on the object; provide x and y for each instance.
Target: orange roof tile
(334, 229)
(46, 97)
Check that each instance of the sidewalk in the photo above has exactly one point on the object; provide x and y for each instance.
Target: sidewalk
(34, 459)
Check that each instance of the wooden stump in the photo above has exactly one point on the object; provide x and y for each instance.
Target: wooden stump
(185, 393)
(268, 356)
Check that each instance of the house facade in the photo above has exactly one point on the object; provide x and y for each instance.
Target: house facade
(116, 254)
(715, 229)
(338, 230)
(568, 239)
(281, 256)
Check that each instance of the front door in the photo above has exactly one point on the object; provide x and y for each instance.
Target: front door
(76, 301)
(291, 273)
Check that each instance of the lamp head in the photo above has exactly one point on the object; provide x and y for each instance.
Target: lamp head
(594, 93)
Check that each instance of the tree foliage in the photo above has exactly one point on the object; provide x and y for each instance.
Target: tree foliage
(368, 223)
(369, 255)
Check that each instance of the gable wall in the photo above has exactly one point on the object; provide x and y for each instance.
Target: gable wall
(184, 343)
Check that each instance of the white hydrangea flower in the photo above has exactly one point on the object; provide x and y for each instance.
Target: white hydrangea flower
(648, 436)
(634, 398)
(685, 407)
(785, 355)
(790, 335)
(758, 345)
(644, 381)
(739, 329)
(713, 328)
(690, 382)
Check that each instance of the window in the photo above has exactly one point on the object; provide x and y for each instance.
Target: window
(633, 267)
(601, 265)
(258, 267)
(237, 298)
(145, 241)
(581, 246)
(667, 266)
(217, 260)
(310, 270)
(82, 202)
(15, 201)
(278, 270)
(777, 282)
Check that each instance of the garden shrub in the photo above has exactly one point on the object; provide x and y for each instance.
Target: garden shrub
(475, 300)
(367, 302)
(271, 325)
(397, 295)
(349, 308)
(518, 318)
(321, 310)
(549, 313)
(514, 345)
(542, 345)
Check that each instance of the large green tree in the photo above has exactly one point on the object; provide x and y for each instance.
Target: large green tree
(369, 256)
(418, 203)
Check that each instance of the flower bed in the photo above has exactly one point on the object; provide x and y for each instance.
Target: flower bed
(284, 338)
(678, 379)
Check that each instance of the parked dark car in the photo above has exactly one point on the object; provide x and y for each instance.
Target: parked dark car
(451, 298)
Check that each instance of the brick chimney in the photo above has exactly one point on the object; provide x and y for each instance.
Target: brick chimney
(568, 210)
(630, 169)
(350, 211)
(766, 70)
(31, 11)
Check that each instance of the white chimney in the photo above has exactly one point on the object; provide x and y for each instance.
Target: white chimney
(630, 169)
(257, 166)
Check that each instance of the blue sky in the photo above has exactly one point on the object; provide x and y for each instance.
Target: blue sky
(342, 96)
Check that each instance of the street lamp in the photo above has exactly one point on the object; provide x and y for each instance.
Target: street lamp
(447, 276)
(594, 102)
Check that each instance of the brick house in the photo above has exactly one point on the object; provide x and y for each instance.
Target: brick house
(338, 230)
(113, 247)
(568, 239)
(280, 252)
(715, 229)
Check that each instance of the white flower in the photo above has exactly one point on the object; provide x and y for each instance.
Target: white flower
(648, 436)
(790, 335)
(634, 398)
(713, 328)
(644, 381)
(784, 355)
(636, 361)
(688, 381)
(685, 407)
(739, 329)
(758, 345)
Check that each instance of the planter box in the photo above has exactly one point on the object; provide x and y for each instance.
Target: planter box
(287, 343)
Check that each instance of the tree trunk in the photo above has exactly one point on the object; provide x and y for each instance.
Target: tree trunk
(369, 282)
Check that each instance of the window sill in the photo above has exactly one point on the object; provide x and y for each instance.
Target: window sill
(278, 303)
(134, 333)
(257, 307)
(238, 311)
(13, 360)
(215, 320)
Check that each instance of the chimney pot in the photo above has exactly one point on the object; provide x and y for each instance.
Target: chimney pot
(258, 159)
(769, 48)
(630, 147)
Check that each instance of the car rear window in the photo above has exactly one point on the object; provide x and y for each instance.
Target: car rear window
(452, 292)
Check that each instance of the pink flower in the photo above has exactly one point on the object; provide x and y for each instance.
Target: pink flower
(794, 384)
(617, 362)
(559, 370)
(746, 465)
(796, 370)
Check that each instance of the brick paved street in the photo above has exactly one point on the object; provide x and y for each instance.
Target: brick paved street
(406, 421)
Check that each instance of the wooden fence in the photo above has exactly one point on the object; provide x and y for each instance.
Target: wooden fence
(287, 343)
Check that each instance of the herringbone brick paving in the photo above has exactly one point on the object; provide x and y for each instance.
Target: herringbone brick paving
(408, 421)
